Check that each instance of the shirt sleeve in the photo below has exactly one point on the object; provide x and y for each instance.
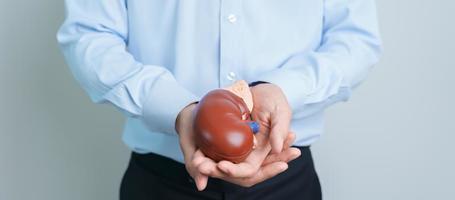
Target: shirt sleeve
(93, 40)
(350, 46)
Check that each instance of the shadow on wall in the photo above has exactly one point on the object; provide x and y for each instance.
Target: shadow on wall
(55, 143)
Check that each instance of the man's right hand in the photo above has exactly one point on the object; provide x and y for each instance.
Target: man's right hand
(192, 156)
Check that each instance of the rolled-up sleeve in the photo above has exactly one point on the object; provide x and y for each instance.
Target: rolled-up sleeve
(350, 46)
(93, 40)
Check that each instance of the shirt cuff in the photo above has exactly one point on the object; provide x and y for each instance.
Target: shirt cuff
(165, 101)
(252, 84)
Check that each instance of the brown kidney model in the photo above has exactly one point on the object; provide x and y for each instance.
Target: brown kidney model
(222, 125)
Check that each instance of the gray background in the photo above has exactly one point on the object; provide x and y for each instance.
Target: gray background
(393, 140)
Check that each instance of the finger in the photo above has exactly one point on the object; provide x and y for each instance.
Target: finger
(286, 155)
(239, 170)
(279, 130)
(294, 154)
(268, 172)
(195, 164)
(263, 118)
(248, 167)
(263, 135)
(198, 158)
(207, 167)
(199, 178)
(215, 173)
(201, 181)
(264, 173)
(190, 165)
(276, 141)
(289, 140)
(187, 144)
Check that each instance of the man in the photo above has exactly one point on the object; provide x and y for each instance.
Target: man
(152, 59)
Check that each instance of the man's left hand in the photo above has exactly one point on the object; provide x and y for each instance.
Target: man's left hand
(271, 109)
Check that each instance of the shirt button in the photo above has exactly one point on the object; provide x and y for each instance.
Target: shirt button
(231, 76)
(232, 18)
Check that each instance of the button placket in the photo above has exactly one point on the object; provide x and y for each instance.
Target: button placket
(230, 33)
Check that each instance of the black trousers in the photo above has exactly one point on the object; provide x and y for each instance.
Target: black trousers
(151, 176)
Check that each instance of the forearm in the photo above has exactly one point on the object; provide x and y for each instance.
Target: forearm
(93, 40)
(350, 46)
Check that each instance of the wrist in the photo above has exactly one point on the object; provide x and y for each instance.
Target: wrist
(184, 115)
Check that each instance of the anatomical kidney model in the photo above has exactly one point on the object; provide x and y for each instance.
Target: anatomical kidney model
(222, 123)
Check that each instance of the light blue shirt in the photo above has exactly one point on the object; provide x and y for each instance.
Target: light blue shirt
(151, 58)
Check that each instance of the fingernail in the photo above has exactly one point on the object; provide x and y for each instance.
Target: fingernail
(284, 167)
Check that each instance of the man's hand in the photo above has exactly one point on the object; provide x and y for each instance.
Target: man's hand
(272, 111)
(192, 156)
(258, 166)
